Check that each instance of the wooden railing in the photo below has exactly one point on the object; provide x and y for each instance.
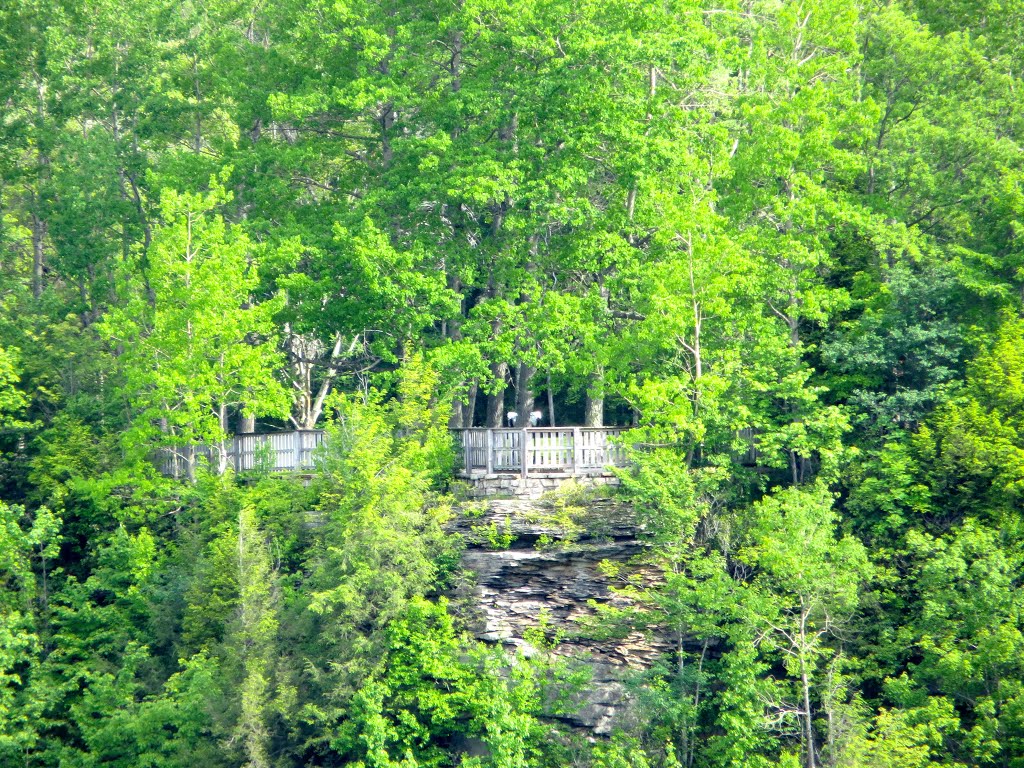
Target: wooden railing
(278, 451)
(567, 450)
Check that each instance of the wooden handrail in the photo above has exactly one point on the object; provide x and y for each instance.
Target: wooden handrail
(567, 428)
(286, 451)
(522, 450)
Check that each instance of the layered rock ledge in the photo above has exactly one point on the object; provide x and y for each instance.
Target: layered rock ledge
(545, 563)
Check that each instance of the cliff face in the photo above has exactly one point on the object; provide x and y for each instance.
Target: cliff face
(530, 562)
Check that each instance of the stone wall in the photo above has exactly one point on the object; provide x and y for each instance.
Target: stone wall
(533, 486)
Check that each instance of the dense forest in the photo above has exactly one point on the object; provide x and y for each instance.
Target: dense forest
(779, 239)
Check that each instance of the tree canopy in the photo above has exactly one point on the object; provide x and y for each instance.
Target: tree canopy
(779, 239)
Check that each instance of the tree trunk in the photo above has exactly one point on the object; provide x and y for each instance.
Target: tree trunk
(456, 64)
(808, 722)
(805, 681)
(197, 139)
(469, 407)
(453, 330)
(43, 170)
(38, 255)
(524, 392)
(246, 424)
(594, 413)
(457, 415)
(551, 404)
(317, 406)
(387, 121)
(222, 444)
(496, 402)
(304, 351)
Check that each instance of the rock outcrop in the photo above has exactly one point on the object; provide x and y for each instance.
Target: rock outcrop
(533, 563)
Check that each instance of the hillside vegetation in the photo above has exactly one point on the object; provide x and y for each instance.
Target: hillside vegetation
(781, 239)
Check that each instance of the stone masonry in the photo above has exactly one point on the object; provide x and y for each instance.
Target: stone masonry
(533, 486)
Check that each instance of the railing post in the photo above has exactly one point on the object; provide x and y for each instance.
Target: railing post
(489, 446)
(523, 452)
(577, 448)
(298, 449)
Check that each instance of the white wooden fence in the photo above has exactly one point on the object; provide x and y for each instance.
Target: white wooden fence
(278, 451)
(568, 450)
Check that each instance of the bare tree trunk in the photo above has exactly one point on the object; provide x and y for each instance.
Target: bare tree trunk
(496, 402)
(808, 720)
(122, 176)
(387, 121)
(147, 229)
(246, 424)
(455, 65)
(808, 723)
(499, 373)
(222, 445)
(305, 351)
(317, 407)
(594, 410)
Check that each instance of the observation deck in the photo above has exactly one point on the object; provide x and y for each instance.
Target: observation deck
(518, 462)
(526, 463)
(571, 451)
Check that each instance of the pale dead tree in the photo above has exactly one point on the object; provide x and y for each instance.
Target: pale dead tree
(307, 354)
(800, 641)
(781, 715)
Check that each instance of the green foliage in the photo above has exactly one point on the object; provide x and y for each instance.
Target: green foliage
(780, 238)
(11, 399)
(195, 345)
(493, 536)
(23, 544)
(382, 539)
(427, 690)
